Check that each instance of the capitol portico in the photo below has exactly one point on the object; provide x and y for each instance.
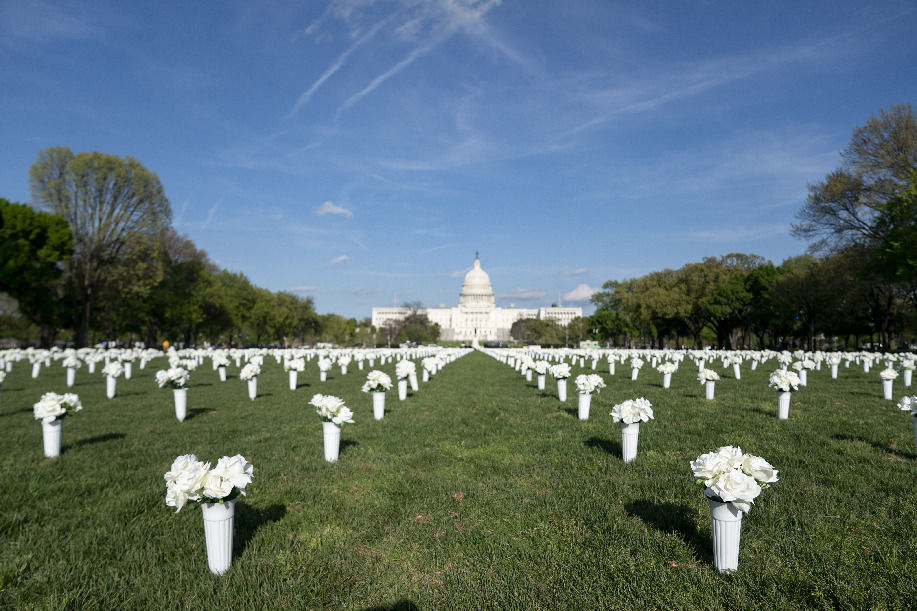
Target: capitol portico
(477, 317)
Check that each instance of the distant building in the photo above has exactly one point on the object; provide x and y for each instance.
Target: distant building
(477, 317)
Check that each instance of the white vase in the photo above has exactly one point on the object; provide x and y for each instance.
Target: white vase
(633, 373)
(541, 378)
(630, 434)
(218, 519)
(50, 434)
(908, 373)
(92, 366)
(528, 375)
(378, 405)
(783, 404)
(666, 380)
(128, 367)
(111, 384)
(736, 371)
(754, 365)
(709, 387)
(426, 375)
(803, 377)
(36, 367)
(332, 437)
(585, 399)
(343, 370)
(222, 371)
(562, 389)
(611, 367)
(413, 379)
(833, 371)
(360, 365)
(402, 389)
(915, 430)
(181, 403)
(887, 389)
(253, 388)
(727, 529)
(293, 375)
(322, 375)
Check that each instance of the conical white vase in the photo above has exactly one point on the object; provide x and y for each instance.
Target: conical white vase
(111, 385)
(833, 371)
(128, 370)
(50, 434)
(322, 375)
(71, 376)
(181, 403)
(402, 389)
(585, 400)
(253, 388)
(528, 375)
(293, 375)
(783, 404)
(413, 380)
(611, 367)
(803, 377)
(541, 378)
(887, 389)
(218, 521)
(666, 380)
(907, 375)
(562, 389)
(634, 373)
(727, 530)
(736, 371)
(36, 367)
(426, 375)
(754, 365)
(709, 388)
(915, 430)
(630, 435)
(332, 439)
(343, 370)
(222, 371)
(378, 405)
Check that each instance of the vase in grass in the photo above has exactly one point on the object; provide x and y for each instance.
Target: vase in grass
(586, 384)
(784, 382)
(732, 481)
(907, 373)
(128, 369)
(51, 409)
(293, 367)
(250, 374)
(324, 366)
(403, 371)
(71, 363)
(333, 413)
(630, 414)
(708, 378)
(888, 378)
(910, 404)
(176, 378)
(377, 382)
(666, 369)
(111, 373)
(216, 490)
(561, 371)
(635, 365)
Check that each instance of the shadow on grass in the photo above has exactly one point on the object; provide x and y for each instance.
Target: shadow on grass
(401, 605)
(199, 411)
(93, 440)
(606, 445)
(202, 384)
(572, 411)
(248, 520)
(347, 443)
(875, 444)
(674, 518)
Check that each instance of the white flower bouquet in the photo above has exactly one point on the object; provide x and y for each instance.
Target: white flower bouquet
(250, 371)
(667, 367)
(220, 360)
(888, 374)
(707, 375)
(71, 362)
(908, 404)
(560, 371)
(174, 377)
(785, 381)
(589, 383)
(377, 381)
(53, 406)
(541, 367)
(404, 369)
(331, 409)
(324, 364)
(636, 363)
(733, 477)
(294, 364)
(633, 410)
(187, 364)
(113, 369)
(190, 479)
(430, 363)
(907, 364)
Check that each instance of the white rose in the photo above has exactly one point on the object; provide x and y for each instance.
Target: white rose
(732, 455)
(236, 470)
(708, 465)
(759, 469)
(215, 487)
(736, 487)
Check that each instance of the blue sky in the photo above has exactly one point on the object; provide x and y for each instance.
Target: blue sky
(361, 151)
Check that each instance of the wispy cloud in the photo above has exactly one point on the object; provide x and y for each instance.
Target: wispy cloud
(523, 294)
(580, 294)
(306, 288)
(338, 260)
(332, 208)
(210, 214)
(566, 272)
(459, 273)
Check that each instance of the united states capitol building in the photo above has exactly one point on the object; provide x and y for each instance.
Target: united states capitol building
(477, 317)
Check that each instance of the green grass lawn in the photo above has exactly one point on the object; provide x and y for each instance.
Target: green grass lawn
(477, 491)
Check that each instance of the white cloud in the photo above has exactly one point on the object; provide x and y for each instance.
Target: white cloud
(459, 273)
(306, 288)
(580, 294)
(566, 272)
(332, 208)
(523, 294)
(341, 259)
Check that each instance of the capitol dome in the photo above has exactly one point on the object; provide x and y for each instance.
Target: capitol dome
(477, 290)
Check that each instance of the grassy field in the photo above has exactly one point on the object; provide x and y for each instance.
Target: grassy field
(479, 491)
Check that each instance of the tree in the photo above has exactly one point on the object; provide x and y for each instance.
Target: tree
(32, 246)
(843, 209)
(109, 203)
